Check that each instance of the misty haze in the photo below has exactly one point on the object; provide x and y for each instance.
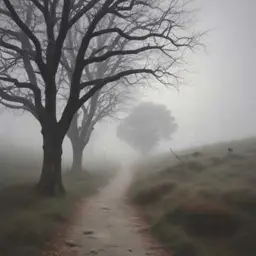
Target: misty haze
(127, 127)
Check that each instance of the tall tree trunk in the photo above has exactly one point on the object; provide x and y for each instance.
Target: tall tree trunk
(77, 157)
(50, 183)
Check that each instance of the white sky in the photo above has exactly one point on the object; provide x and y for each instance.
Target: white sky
(217, 101)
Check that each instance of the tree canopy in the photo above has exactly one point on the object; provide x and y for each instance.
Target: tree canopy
(146, 126)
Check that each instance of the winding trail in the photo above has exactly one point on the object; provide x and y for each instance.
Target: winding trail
(107, 226)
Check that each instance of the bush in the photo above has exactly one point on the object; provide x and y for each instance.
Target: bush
(196, 154)
(186, 249)
(183, 172)
(195, 166)
(244, 241)
(174, 237)
(154, 193)
(243, 199)
(205, 219)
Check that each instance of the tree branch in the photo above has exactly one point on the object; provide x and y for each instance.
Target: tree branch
(18, 99)
(80, 13)
(18, 107)
(175, 42)
(29, 33)
(103, 81)
(118, 53)
(64, 27)
(36, 91)
(38, 5)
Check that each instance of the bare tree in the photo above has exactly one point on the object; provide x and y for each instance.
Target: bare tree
(106, 102)
(34, 38)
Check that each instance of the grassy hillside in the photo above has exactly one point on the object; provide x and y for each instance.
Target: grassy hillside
(28, 222)
(204, 205)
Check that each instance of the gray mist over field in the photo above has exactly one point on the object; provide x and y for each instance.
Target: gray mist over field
(216, 100)
(102, 153)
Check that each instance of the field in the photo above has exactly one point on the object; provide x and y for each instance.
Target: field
(27, 222)
(204, 203)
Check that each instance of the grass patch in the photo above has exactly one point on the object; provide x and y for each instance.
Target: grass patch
(154, 193)
(204, 219)
(211, 207)
(196, 154)
(29, 222)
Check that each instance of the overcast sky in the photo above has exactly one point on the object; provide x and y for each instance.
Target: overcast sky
(215, 103)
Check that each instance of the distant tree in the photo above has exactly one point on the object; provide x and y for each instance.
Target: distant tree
(34, 42)
(146, 126)
(105, 103)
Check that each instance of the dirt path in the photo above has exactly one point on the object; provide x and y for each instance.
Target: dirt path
(107, 226)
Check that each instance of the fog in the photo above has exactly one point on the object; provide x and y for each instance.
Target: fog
(216, 97)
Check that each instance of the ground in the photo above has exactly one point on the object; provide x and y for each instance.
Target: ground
(30, 223)
(203, 203)
(107, 225)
